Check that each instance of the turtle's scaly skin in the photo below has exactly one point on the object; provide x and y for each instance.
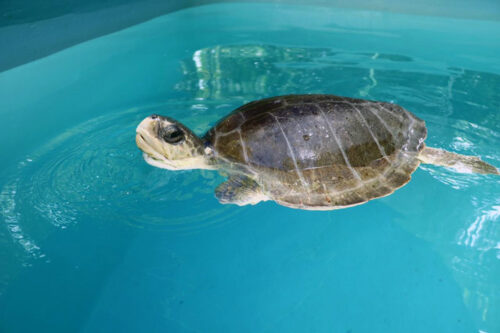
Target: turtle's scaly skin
(320, 151)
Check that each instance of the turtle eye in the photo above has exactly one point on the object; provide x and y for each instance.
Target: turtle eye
(172, 134)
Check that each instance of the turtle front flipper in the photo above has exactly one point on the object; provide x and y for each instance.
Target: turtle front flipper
(240, 190)
(461, 163)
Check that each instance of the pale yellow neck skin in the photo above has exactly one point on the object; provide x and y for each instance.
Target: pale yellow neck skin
(197, 162)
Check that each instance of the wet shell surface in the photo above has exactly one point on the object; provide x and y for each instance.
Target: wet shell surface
(320, 151)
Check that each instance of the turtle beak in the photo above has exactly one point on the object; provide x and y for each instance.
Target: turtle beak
(143, 133)
(146, 139)
(147, 125)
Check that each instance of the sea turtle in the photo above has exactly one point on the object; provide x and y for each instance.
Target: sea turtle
(316, 152)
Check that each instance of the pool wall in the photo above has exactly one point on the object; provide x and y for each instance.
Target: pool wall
(30, 30)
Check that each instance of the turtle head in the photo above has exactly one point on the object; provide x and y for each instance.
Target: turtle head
(168, 144)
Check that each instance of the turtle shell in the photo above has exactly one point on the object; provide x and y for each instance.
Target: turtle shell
(320, 151)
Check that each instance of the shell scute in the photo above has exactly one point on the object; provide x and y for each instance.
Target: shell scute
(322, 151)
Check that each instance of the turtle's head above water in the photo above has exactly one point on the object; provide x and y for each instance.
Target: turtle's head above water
(168, 144)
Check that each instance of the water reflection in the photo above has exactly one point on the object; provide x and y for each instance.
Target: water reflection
(250, 72)
(482, 234)
(12, 216)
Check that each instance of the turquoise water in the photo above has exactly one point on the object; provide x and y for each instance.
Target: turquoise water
(93, 239)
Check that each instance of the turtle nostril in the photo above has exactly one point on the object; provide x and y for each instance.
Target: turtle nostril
(154, 116)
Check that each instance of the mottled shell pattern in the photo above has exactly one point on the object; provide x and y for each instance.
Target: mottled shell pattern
(320, 151)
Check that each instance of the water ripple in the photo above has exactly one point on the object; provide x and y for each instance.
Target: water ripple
(94, 172)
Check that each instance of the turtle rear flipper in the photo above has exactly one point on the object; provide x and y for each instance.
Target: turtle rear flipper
(240, 190)
(460, 163)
